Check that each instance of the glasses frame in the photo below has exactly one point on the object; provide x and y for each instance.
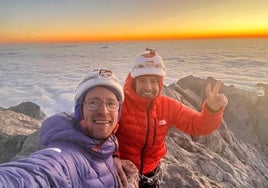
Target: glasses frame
(101, 102)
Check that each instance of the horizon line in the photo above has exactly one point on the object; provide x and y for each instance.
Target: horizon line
(142, 39)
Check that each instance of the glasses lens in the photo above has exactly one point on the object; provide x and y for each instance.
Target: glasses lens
(112, 105)
(95, 104)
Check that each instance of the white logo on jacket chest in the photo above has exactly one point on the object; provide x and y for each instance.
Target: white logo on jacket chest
(54, 149)
(162, 122)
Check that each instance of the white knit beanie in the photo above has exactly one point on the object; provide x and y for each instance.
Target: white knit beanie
(148, 63)
(99, 77)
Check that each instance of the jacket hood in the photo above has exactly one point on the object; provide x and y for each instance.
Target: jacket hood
(59, 128)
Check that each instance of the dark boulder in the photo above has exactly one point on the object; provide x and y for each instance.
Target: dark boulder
(29, 109)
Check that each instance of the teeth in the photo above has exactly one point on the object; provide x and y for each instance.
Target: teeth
(147, 93)
(101, 121)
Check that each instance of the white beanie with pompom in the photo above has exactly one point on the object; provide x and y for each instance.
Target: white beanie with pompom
(148, 63)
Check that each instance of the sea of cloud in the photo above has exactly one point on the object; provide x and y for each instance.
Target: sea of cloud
(48, 74)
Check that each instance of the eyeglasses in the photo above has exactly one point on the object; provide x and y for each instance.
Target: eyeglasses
(95, 104)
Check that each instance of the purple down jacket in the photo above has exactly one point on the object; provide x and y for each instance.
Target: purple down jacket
(68, 160)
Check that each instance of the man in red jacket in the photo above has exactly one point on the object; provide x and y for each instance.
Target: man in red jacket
(147, 115)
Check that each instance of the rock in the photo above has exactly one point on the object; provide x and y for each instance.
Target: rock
(31, 144)
(210, 161)
(14, 130)
(30, 109)
(261, 126)
(12, 123)
(10, 146)
(265, 89)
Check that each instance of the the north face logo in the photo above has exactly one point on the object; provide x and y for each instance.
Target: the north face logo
(162, 122)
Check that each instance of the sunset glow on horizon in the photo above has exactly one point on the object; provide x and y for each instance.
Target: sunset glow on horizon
(85, 21)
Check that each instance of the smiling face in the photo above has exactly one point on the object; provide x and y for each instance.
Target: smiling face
(147, 86)
(100, 123)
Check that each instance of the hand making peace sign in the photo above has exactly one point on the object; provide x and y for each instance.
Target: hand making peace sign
(215, 101)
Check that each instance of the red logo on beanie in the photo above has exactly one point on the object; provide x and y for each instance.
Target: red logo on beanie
(150, 54)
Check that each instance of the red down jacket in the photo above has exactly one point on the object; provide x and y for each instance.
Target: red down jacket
(145, 122)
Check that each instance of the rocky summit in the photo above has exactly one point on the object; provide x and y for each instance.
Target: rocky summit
(16, 128)
(236, 155)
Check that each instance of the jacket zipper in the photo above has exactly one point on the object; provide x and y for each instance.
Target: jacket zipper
(115, 176)
(154, 131)
(146, 138)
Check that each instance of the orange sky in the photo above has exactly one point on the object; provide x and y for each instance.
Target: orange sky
(111, 20)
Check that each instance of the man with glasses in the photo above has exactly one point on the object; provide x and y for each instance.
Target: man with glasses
(77, 154)
(147, 115)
